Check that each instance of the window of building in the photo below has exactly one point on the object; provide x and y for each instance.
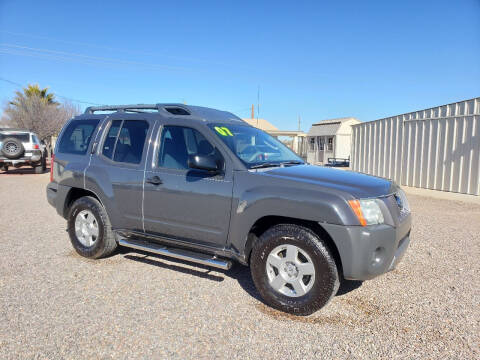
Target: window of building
(330, 144)
(77, 137)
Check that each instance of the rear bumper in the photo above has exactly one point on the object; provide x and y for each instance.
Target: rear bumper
(57, 196)
(369, 251)
(31, 156)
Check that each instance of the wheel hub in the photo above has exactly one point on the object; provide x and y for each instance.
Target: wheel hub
(86, 228)
(11, 148)
(290, 269)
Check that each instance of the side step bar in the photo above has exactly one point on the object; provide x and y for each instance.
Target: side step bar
(181, 254)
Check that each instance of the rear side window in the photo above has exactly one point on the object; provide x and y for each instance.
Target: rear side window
(111, 138)
(125, 141)
(77, 137)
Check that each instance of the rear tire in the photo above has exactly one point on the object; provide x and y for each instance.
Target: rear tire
(279, 284)
(44, 161)
(89, 228)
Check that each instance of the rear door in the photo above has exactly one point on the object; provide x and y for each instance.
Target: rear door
(117, 170)
(184, 203)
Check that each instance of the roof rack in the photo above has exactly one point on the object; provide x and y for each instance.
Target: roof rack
(175, 109)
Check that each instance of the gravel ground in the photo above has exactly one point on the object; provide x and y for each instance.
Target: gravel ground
(55, 304)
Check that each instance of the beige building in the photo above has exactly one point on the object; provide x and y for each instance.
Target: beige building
(330, 138)
(298, 137)
(261, 124)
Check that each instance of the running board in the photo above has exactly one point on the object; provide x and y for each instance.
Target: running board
(181, 254)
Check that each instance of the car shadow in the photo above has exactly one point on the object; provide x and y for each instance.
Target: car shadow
(347, 286)
(22, 171)
(238, 272)
(156, 260)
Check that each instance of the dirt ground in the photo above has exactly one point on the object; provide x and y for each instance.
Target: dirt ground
(56, 304)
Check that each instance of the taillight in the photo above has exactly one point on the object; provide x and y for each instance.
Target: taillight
(52, 161)
(36, 147)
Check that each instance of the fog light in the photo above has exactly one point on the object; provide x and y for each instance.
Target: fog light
(378, 256)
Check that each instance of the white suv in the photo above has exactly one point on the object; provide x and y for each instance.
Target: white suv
(22, 147)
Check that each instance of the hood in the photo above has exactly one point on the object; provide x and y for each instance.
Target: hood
(358, 185)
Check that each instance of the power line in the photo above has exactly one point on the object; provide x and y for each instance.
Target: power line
(57, 95)
(75, 56)
(135, 52)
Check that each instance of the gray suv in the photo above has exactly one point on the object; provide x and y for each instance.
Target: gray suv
(202, 185)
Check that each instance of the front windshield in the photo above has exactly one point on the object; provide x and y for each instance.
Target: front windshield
(254, 147)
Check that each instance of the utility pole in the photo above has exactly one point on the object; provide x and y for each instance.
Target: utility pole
(258, 103)
(253, 112)
(299, 122)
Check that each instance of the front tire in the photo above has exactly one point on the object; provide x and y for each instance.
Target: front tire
(89, 228)
(293, 269)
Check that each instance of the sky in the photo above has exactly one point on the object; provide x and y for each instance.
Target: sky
(316, 60)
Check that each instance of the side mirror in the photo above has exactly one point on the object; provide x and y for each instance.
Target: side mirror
(203, 162)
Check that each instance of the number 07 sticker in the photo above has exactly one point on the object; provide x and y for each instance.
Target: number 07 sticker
(224, 131)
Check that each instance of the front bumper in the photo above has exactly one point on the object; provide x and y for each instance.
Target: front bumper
(369, 251)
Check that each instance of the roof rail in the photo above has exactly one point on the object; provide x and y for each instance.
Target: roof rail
(176, 109)
(93, 109)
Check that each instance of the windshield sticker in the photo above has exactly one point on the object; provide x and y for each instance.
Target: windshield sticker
(224, 131)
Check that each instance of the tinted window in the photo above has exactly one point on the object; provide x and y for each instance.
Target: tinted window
(178, 143)
(22, 137)
(125, 140)
(77, 137)
(109, 142)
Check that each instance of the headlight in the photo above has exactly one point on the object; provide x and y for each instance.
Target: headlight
(367, 211)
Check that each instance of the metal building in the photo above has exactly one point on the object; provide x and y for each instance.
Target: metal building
(436, 148)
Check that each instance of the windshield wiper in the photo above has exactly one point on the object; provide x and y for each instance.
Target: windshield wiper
(264, 165)
(293, 162)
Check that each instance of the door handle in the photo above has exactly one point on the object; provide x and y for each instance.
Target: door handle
(155, 180)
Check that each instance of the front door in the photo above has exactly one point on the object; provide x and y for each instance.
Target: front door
(183, 203)
(321, 149)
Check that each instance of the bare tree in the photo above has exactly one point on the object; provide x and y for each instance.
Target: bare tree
(35, 114)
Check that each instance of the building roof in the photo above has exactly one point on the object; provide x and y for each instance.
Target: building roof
(287, 133)
(324, 129)
(332, 127)
(262, 124)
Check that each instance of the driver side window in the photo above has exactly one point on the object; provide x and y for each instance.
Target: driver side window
(178, 143)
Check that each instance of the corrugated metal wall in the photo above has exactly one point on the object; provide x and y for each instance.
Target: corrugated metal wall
(437, 148)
